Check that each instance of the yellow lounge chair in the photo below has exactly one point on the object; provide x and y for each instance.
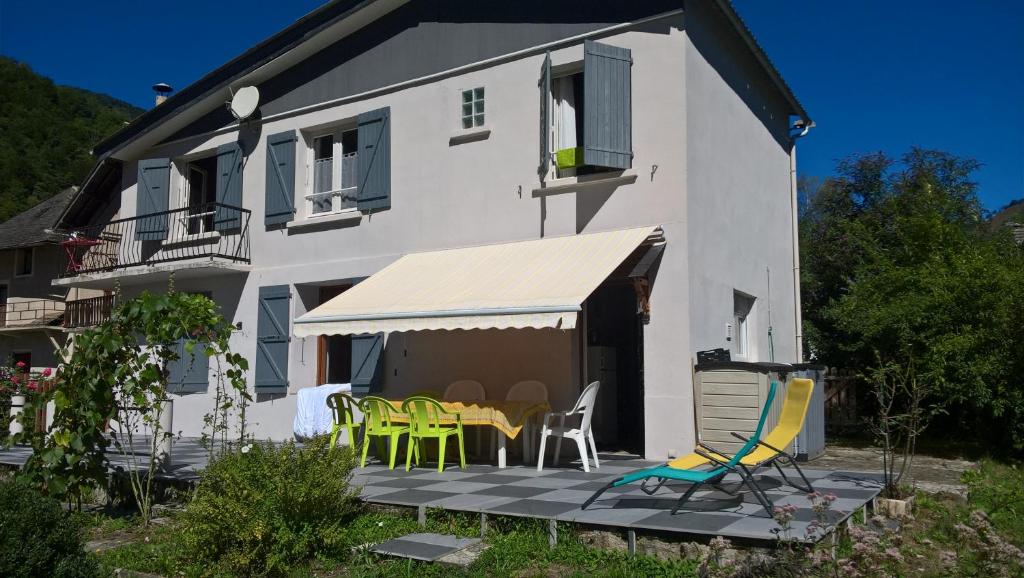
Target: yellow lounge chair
(769, 449)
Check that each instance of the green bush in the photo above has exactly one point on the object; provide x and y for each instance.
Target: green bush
(263, 509)
(37, 537)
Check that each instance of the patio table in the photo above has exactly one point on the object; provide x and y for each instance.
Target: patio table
(508, 417)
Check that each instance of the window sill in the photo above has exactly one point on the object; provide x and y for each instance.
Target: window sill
(313, 222)
(469, 135)
(555, 186)
(208, 237)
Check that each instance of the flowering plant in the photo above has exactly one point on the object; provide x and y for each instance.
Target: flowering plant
(17, 380)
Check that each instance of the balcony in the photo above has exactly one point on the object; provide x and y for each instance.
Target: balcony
(54, 314)
(192, 241)
(88, 312)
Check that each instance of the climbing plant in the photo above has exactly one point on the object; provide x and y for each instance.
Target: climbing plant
(117, 373)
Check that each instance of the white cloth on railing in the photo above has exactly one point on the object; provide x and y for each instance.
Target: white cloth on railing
(312, 416)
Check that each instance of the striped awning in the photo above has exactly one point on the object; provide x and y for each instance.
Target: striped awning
(540, 283)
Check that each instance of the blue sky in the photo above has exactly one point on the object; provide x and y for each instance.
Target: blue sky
(875, 75)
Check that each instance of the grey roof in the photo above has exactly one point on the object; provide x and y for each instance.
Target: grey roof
(32, 227)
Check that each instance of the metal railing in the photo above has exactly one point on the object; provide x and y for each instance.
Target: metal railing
(326, 198)
(198, 231)
(88, 312)
(31, 312)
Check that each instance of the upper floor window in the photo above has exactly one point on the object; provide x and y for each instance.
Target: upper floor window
(199, 196)
(335, 167)
(23, 259)
(473, 108)
(586, 116)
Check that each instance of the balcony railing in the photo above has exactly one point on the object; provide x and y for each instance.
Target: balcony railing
(30, 313)
(88, 312)
(198, 231)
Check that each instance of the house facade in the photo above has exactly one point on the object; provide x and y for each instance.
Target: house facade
(35, 316)
(393, 128)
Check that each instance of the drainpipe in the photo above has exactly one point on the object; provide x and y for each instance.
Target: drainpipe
(802, 128)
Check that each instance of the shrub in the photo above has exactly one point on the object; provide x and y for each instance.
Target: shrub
(37, 537)
(260, 510)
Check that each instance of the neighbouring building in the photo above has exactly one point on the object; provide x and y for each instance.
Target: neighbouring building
(435, 190)
(36, 316)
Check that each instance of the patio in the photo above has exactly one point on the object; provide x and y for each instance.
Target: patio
(556, 494)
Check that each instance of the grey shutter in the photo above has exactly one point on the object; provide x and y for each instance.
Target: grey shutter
(607, 119)
(152, 196)
(374, 146)
(367, 361)
(229, 187)
(188, 373)
(545, 116)
(272, 337)
(280, 183)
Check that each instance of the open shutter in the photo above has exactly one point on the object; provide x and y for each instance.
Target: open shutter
(545, 116)
(374, 146)
(607, 129)
(229, 187)
(152, 197)
(272, 337)
(280, 183)
(188, 373)
(367, 360)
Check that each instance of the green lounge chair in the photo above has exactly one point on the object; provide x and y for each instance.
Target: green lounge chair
(697, 478)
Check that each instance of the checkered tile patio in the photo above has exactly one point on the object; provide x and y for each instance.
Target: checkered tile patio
(188, 458)
(557, 493)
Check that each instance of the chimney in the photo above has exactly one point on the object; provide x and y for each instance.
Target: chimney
(163, 90)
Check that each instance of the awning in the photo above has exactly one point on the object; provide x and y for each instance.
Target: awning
(540, 283)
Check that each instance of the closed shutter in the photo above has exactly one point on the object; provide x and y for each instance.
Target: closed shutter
(545, 116)
(374, 146)
(367, 361)
(188, 373)
(272, 337)
(280, 183)
(229, 188)
(607, 130)
(152, 197)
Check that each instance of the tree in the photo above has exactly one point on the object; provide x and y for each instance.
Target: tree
(900, 268)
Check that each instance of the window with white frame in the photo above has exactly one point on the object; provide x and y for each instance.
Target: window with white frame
(473, 107)
(23, 261)
(335, 169)
(199, 196)
(743, 306)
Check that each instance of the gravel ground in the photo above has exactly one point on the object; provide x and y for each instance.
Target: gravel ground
(930, 474)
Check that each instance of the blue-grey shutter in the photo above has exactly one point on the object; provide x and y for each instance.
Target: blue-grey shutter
(272, 338)
(545, 116)
(188, 373)
(607, 130)
(280, 185)
(152, 197)
(229, 187)
(367, 361)
(374, 146)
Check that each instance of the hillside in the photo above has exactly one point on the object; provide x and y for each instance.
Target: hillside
(46, 133)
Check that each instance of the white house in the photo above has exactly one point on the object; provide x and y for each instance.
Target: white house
(421, 140)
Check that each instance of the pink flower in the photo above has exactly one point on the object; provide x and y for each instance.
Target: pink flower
(47, 372)
(33, 386)
(20, 365)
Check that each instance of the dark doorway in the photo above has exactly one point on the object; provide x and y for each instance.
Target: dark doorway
(334, 352)
(615, 357)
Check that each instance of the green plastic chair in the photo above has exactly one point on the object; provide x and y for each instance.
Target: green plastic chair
(341, 405)
(377, 423)
(425, 423)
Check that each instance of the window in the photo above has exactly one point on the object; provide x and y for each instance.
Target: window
(742, 306)
(567, 124)
(23, 262)
(473, 108)
(335, 167)
(200, 196)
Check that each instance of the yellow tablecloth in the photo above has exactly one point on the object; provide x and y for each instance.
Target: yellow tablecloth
(508, 417)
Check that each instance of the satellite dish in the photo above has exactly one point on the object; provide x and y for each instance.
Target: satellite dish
(244, 102)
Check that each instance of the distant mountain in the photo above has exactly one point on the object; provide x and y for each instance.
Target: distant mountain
(46, 133)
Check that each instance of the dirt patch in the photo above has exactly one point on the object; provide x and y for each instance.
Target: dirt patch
(931, 474)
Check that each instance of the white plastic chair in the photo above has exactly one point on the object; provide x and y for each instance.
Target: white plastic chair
(583, 434)
(467, 390)
(529, 390)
